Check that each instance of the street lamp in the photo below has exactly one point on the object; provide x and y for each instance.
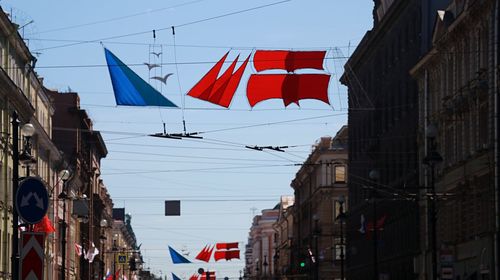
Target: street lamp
(265, 264)
(25, 158)
(276, 257)
(374, 176)
(316, 236)
(114, 249)
(341, 218)
(257, 269)
(27, 130)
(64, 175)
(431, 159)
(102, 238)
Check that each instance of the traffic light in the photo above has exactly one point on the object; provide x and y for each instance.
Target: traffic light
(132, 264)
(304, 264)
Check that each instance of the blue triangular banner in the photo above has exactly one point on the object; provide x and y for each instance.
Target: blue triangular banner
(129, 88)
(175, 277)
(176, 257)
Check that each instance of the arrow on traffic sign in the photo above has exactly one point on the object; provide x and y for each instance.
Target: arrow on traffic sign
(39, 201)
(25, 201)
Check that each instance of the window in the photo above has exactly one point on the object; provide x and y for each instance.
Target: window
(338, 248)
(483, 124)
(339, 174)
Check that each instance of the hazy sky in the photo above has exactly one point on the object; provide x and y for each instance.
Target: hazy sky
(221, 184)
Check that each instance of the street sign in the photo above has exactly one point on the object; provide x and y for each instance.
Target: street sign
(447, 273)
(121, 259)
(32, 200)
(32, 255)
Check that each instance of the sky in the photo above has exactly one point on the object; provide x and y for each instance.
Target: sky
(221, 184)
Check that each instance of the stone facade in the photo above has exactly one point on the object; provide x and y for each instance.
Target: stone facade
(457, 86)
(383, 117)
(318, 185)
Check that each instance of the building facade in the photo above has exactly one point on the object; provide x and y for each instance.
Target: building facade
(80, 208)
(318, 187)
(83, 149)
(283, 238)
(260, 265)
(22, 93)
(383, 159)
(125, 242)
(458, 99)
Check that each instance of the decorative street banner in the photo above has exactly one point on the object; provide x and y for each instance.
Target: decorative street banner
(129, 88)
(205, 254)
(177, 257)
(289, 87)
(219, 91)
(32, 255)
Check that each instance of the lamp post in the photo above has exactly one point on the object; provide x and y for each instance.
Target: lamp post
(27, 130)
(341, 218)
(64, 175)
(15, 184)
(316, 236)
(114, 249)
(431, 159)
(276, 257)
(375, 176)
(102, 239)
(257, 270)
(265, 264)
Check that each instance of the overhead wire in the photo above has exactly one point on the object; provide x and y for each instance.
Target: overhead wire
(196, 169)
(186, 147)
(208, 131)
(156, 198)
(117, 18)
(182, 45)
(141, 64)
(192, 156)
(164, 28)
(271, 123)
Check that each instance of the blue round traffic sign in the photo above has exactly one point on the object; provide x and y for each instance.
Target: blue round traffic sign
(32, 200)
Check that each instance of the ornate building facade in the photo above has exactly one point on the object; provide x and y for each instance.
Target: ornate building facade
(316, 241)
(458, 100)
(24, 99)
(383, 161)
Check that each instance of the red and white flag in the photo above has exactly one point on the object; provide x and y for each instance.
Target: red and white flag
(78, 249)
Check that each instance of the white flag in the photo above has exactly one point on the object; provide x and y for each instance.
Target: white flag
(93, 251)
(362, 229)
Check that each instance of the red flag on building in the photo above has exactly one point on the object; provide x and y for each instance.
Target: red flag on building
(45, 225)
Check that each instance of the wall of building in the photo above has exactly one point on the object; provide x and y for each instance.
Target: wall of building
(382, 123)
(456, 94)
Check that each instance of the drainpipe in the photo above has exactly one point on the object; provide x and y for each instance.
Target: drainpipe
(424, 266)
(496, 137)
(5, 211)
